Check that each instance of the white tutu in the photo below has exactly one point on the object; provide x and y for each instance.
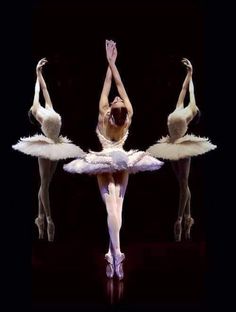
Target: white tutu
(186, 146)
(44, 147)
(112, 160)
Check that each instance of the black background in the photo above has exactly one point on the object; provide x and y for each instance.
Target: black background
(151, 37)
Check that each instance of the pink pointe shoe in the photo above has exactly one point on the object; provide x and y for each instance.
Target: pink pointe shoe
(177, 230)
(39, 221)
(119, 266)
(188, 222)
(50, 230)
(109, 266)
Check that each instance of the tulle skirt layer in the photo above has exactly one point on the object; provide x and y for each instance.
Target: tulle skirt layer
(112, 160)
(187, 146)
(42, 146)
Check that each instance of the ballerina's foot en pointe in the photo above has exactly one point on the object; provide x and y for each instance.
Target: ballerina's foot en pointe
(115, 265)
(188, 222)
(40, 222)
(178, 230)
(110, 266)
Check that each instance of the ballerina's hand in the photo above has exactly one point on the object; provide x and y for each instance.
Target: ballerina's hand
(111, 50)
(41, 63)
(187, 63)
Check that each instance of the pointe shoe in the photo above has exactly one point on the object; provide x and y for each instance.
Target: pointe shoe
(109, 266)
(177, 231)
(50, 230)
(188, 222)
(39, 221)
(119, 266)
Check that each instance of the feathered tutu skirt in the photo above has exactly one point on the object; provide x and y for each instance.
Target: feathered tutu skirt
(112, 160)
(44, 147)
(186, 146)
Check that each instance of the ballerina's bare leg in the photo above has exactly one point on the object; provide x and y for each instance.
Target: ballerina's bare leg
(46, 170)
(182, 169)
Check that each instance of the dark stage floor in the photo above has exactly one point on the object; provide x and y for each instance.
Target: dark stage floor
(69, 275)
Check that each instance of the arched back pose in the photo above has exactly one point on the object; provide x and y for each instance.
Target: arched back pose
(49, 148)
(113, 164)
(179, 147)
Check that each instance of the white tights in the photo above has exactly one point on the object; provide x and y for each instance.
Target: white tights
(112, 188)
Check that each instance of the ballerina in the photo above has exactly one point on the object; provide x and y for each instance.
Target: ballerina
(49, 147)
(179, 147)
(113, 164)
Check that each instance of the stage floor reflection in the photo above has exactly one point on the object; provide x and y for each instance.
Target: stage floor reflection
(71, 275)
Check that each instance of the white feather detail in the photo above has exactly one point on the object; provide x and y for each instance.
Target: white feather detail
(42, 146)
(187, 146)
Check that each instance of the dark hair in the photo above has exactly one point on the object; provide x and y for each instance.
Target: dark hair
(119, 114)
(32, 119)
